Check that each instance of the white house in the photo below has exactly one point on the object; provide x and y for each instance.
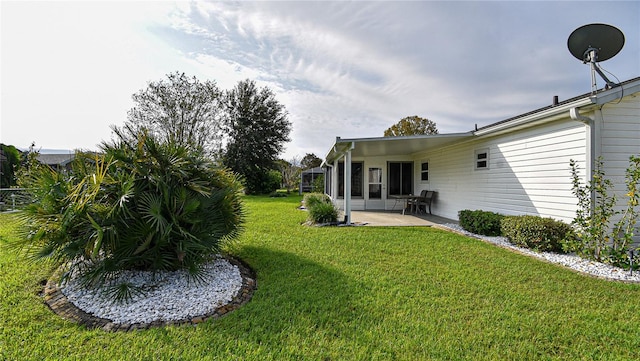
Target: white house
(515, 166)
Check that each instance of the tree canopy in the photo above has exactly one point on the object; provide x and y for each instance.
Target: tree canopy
(182, 110)
(257, 128)
(10, 159)
(310, 160)
(290, 171)
(412, 125)
(244, 128)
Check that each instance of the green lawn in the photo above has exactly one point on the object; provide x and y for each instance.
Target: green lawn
(357, 293)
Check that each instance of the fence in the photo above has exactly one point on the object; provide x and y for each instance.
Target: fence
(13, 198)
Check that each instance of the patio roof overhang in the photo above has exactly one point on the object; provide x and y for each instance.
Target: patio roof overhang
(392, 146)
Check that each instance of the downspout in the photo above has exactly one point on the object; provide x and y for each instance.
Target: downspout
(589, 122)
(591, 141)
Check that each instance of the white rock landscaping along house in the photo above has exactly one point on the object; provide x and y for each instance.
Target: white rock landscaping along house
(515, 166)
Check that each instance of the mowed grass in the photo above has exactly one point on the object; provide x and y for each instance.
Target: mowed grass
(353, 293)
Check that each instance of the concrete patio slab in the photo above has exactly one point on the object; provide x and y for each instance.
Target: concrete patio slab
(387, 219)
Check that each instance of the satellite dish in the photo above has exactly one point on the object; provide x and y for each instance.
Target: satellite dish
(605, 39)
(594, 43)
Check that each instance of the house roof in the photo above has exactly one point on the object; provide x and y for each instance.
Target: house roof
(316, 170)
(57, 159)
(390, 146)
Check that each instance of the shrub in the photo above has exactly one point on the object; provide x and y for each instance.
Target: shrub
(311, 199)
(480, 222)
(272, 182)
(140, 205)
(541, 234)
(278, 194)
(323, 213)
(596, 237)
(320, 207)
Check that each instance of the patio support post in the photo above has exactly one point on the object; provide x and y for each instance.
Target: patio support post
(334, 182)
(347, 186)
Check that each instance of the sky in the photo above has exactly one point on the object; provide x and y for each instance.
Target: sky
(348, 69)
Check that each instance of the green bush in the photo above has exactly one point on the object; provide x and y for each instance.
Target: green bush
(261, 181)
(320, 207)
(323, 213)
(311, 199)
(140, 204)
(278, 194)
(541, 234)
(272, 182)
(480, 222)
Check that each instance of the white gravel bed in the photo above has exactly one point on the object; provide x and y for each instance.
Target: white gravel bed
(571, 261)
(169, 296)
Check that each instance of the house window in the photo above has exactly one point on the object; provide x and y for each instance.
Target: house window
(424, 171)
(375, 183)
(356, 179)
(400, 178)
(482, 159)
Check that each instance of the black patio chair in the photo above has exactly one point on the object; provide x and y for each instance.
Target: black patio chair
(424, 201)
(412, 203)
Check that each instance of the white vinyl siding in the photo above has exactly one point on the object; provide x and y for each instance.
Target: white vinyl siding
(528, 173)
(619, 127)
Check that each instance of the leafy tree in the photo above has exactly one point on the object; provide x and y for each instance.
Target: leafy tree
(257, 129)
(413, 125)
(290, 171)
(309, 161)
(180, 110)
(142, 204)
(10, 161)
(318, 184)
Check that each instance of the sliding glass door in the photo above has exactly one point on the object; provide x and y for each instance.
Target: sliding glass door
(400, 178)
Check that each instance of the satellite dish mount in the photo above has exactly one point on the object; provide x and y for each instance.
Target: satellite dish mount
(594, 43)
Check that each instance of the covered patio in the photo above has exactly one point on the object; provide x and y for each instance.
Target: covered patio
(386, 171)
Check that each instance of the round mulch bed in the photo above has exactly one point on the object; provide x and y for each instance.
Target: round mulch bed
(59, 304)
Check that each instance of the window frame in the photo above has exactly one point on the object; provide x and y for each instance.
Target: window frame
(481, 159)
(423, 171)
